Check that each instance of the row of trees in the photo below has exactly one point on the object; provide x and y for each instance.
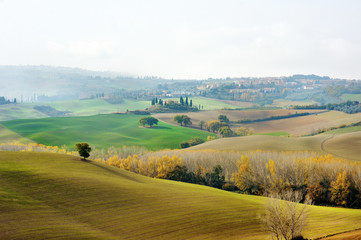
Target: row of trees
(158, 101)
(193, 142)
(3, 100)
(169, 167)
(324, 179)
(222, 127)
(347, 107)
(182, 101)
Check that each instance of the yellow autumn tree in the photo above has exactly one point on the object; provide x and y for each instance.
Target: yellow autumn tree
(340, 189)
(241, 176)
(167, 164)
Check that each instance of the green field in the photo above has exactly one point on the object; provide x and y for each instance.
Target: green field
(102, 131)
(344, 130)
(351, 97)
(274, 134)
(53, 196)
(19, 111)
(7, 136)
(76, 107)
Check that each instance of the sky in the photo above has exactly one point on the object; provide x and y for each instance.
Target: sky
(185, 39)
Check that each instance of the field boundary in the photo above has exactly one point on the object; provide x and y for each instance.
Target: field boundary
(335, 234)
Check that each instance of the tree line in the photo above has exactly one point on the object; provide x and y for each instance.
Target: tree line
(220, 126)
(3, 100)
(169, 167)
(346, 107)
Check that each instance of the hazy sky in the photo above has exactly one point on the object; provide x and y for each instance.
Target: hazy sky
(185, 39)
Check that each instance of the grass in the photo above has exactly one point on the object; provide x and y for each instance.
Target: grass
(18, 111)
(76, 107)
(9, 136)
(97, 106)
(351, 97)
(344, 130)
(343, 145)
(275, 134)
(287, 103)
(102, 131)
(46, 196)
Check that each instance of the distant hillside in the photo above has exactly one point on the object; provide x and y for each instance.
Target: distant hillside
(66, 83)
(53, 196)
(344, 145)
(103, 131)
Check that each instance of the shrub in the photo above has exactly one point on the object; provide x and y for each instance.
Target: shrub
(195, 141)
(298, 238)
(228, 187)
(184, 145)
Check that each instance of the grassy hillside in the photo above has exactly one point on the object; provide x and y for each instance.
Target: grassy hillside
(345, 145)
(351, 97)
(76, 107)
(9, 136)
(102, 131)
(342, 145)
(287, 103)
(47, 196)
(19, 111)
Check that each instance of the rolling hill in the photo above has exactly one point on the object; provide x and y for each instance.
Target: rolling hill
(344, 145)
(58, 196)
(102, 131)
(75, 107)
(301, 125)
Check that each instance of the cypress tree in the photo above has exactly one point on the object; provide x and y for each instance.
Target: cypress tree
(187, 101)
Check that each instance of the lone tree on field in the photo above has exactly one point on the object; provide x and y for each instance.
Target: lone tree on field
(182, 119)
(83, 149)
(223, 118)
(148, 121)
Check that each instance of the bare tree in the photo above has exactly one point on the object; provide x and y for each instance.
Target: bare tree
(284, 215)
